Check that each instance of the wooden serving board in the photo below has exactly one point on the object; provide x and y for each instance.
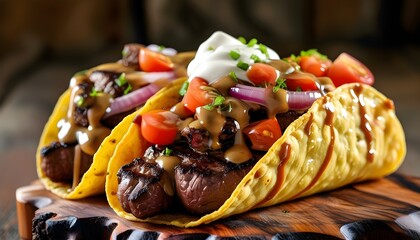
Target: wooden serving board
(388, 208)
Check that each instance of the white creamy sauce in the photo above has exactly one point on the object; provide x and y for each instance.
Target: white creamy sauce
(213, 59)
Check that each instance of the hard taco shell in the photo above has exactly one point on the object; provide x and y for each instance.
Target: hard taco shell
(349, 135)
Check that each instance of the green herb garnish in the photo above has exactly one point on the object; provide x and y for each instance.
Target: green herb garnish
(313, 52)
(217, 102)
(242, 40)
(128, 89)
(263, 49)
(242, 65)
(280, 84)
(184, 88)
(252, 42)
(161, 47)
(255, 58)
(121, 81)
(93, 92)
(298, 89)
(80, 101)
(167, 152)
(210, 48)
(234, 55)
(233, 76)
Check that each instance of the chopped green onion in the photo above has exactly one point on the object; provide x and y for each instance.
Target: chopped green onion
(242, 65)
(234, 55)
(184, 88)
(210, 48)
(128, 89)
(252, 42)
(124, 52)
(80, 101)
(255, 58)
(263, 49)
(242, 40)
(161, 47)
(280, 84)
(298, 89)
(233, 76)
(121, 81)
(313, 52)
(93, 93)
(167, 152)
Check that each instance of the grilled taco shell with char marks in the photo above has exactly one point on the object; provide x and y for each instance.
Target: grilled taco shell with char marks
(349, 135)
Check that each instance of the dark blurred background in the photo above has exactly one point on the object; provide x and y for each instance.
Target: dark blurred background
(44, 42)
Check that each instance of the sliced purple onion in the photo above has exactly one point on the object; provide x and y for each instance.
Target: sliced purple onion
(131, 100)
(248, 93)
(302, 100)
(295, 100)
(164, 50)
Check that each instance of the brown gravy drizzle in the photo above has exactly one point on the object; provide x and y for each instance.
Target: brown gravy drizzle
(284, 155)
(76, 166)
(309, 124)
(329, 120)
(365, 123)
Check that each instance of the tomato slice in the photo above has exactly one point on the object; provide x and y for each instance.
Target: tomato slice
(260, 73)
(263, 134)
(301, 81)
(347, 69)
(315, 64)
(196, 96)
(151, 61)
(159, 127)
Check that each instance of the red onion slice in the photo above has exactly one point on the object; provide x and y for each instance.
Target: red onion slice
(295, 100)
(248, 93)
(131, 100)
(302, 100)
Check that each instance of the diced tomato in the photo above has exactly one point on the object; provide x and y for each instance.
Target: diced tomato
(159, 127)
(347, 69)
(315, 64)
(196, 96)
(263, 134)
(301, 81)
(151, 61)
(260, 73)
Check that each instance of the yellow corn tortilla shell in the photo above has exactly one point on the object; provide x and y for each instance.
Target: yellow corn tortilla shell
(312, 144)
(93, 181)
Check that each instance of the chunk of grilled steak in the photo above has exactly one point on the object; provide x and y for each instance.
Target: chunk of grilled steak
(57, 162)
(144, 188)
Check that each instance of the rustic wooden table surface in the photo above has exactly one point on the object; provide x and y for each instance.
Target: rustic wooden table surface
(35, 82)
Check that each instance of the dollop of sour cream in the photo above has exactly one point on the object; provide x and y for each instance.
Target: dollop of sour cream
(214, 60)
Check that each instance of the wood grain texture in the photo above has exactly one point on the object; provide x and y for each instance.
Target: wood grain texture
(388, 208)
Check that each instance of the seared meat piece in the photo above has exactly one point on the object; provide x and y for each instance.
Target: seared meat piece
(285, 119)
(106, 81)
(130, 54)
(144, 188)
(58, 160)
(200, 176)
(199, 139)
(83, 102)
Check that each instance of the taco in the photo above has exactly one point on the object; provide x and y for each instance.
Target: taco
(250, 131)
(72, 155)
